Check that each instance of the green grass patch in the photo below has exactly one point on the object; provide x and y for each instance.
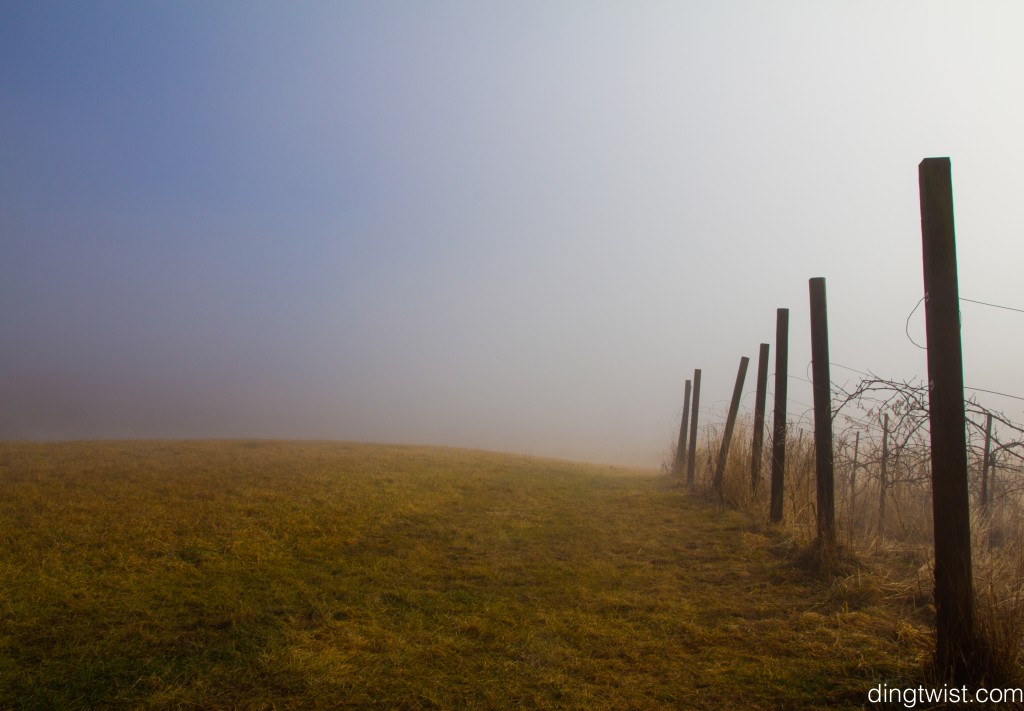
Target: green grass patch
(259, 575)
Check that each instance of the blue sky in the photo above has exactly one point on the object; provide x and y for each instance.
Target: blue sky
(517, 226)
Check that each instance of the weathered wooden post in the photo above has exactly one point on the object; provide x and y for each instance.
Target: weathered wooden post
(677, 468)
(779, 415)
(986, 462)
(853, 484)
(691, 455)
(954, 584)
(992, 479)
(883, 476)
(853, 472)
(823, 462)
(730, 422)
(758, 439)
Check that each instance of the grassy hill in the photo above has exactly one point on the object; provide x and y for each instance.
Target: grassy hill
(263, 574)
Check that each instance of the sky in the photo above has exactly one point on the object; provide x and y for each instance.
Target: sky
(515, 226)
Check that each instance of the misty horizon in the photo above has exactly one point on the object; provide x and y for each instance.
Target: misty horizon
(514, 227)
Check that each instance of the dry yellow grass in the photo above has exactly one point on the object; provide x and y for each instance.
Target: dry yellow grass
(894, 567)
(260, 575)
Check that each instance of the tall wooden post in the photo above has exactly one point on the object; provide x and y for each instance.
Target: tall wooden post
(730, 422)
(779, 415)
(992, 476)
(757, 443)
(677, 468)
(954, 584)
(986, 462)
(883, 476)
(823, 462)
(853, 485)
(691, 455)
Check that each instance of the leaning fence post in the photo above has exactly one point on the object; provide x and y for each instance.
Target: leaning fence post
(677, 468)
(730, 422)
(691, 455)
(758, 440)
(779, 415)
(823, 464)
(954, 584)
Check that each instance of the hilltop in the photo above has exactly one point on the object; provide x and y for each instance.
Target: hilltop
(313, 575)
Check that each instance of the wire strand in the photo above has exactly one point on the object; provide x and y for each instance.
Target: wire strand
(846, 367)
(906, 327)
(995, 306)
(993, 392)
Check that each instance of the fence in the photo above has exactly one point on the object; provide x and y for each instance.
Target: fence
(903, 438)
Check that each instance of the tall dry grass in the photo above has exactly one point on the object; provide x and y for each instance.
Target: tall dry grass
(891, 541)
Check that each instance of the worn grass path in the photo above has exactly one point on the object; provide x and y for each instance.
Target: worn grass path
(283, 575)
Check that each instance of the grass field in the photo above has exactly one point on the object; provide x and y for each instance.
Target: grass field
(278, 575)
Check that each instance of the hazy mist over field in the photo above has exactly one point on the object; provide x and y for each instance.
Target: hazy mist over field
(514, 226)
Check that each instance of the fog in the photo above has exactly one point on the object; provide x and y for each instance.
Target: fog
(512, 226)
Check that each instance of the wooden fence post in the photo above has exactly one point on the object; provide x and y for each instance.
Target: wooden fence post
(853, 485)
(992, 476)
(730, 422)
(883, 476)
(779, 415)
(758, 439)
(955, 654)
(677, 468)
(823, 462)
(986, 462)
(691, 456)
